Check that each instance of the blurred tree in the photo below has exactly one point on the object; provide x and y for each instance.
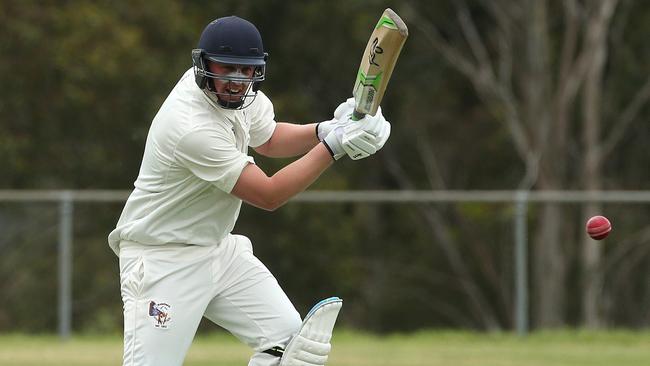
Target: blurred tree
(91, 76)
(81, 80)
(529, 68)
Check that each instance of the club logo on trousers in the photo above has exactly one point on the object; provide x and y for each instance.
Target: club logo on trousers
(160, 312)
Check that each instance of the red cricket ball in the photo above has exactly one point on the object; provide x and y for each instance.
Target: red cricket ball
(598, 227)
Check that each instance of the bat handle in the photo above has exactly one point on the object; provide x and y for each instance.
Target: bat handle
(357, 115)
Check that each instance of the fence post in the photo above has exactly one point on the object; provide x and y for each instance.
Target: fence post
(66, 211)
(521, 263)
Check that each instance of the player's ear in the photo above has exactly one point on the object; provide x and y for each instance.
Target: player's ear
(199, 68)
(260, 70)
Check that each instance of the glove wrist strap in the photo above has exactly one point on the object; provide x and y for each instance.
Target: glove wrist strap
(329, 149)
(318, 124)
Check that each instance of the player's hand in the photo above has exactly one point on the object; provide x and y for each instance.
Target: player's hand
(359, 139)
(373, 130)
(341, 117)
(344, 110)
(354, 142)
(377, 126)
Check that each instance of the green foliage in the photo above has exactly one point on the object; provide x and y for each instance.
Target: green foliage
(80, 82)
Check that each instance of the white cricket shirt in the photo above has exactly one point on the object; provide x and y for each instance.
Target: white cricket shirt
(194, 154)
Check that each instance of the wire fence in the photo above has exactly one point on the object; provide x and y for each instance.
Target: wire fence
(67, 201)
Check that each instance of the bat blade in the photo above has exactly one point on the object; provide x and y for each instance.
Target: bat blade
(377, 63)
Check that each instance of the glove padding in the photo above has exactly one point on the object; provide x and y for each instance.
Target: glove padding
(358, 139)
(339, 144)
(342, 116)
(377, 126)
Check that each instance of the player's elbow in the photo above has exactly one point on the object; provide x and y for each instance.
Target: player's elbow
(261, 191)
(264, 149)
(267, 198)
(269, 208)
(270, 204)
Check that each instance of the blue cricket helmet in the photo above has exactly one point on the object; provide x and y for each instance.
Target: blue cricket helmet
(235, 41)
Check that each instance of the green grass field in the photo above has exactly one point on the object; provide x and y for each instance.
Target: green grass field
(574, 348)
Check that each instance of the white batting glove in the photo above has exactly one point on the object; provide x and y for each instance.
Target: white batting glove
(345, 109)
(357, 139)
(376, 126)
(341, 117)
(356, 143)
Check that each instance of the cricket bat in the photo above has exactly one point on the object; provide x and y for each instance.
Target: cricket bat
(377, 63)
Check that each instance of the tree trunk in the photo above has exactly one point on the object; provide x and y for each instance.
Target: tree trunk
(550, 269)
(592, 168)
(592, 278)
(549, 262)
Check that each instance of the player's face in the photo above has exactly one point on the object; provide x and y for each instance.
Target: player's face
(228, 90)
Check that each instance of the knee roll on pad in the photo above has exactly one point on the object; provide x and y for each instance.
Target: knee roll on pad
(311, 346)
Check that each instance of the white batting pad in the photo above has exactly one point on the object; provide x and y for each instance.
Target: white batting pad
(311, 346)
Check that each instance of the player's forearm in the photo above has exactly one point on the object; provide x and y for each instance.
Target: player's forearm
(297, 176)
(269, 193)
(290, 140)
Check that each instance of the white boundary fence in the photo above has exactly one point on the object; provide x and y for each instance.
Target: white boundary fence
(520, 200)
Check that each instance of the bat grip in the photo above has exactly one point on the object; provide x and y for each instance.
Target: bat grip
(357, 115)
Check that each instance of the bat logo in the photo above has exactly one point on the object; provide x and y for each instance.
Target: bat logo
(374, 51)
(371, 96)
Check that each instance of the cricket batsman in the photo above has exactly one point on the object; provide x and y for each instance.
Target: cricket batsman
(178, 259)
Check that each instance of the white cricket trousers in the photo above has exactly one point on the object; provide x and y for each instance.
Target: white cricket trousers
(166, 291)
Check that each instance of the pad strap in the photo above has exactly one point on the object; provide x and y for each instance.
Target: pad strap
(275, 351)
